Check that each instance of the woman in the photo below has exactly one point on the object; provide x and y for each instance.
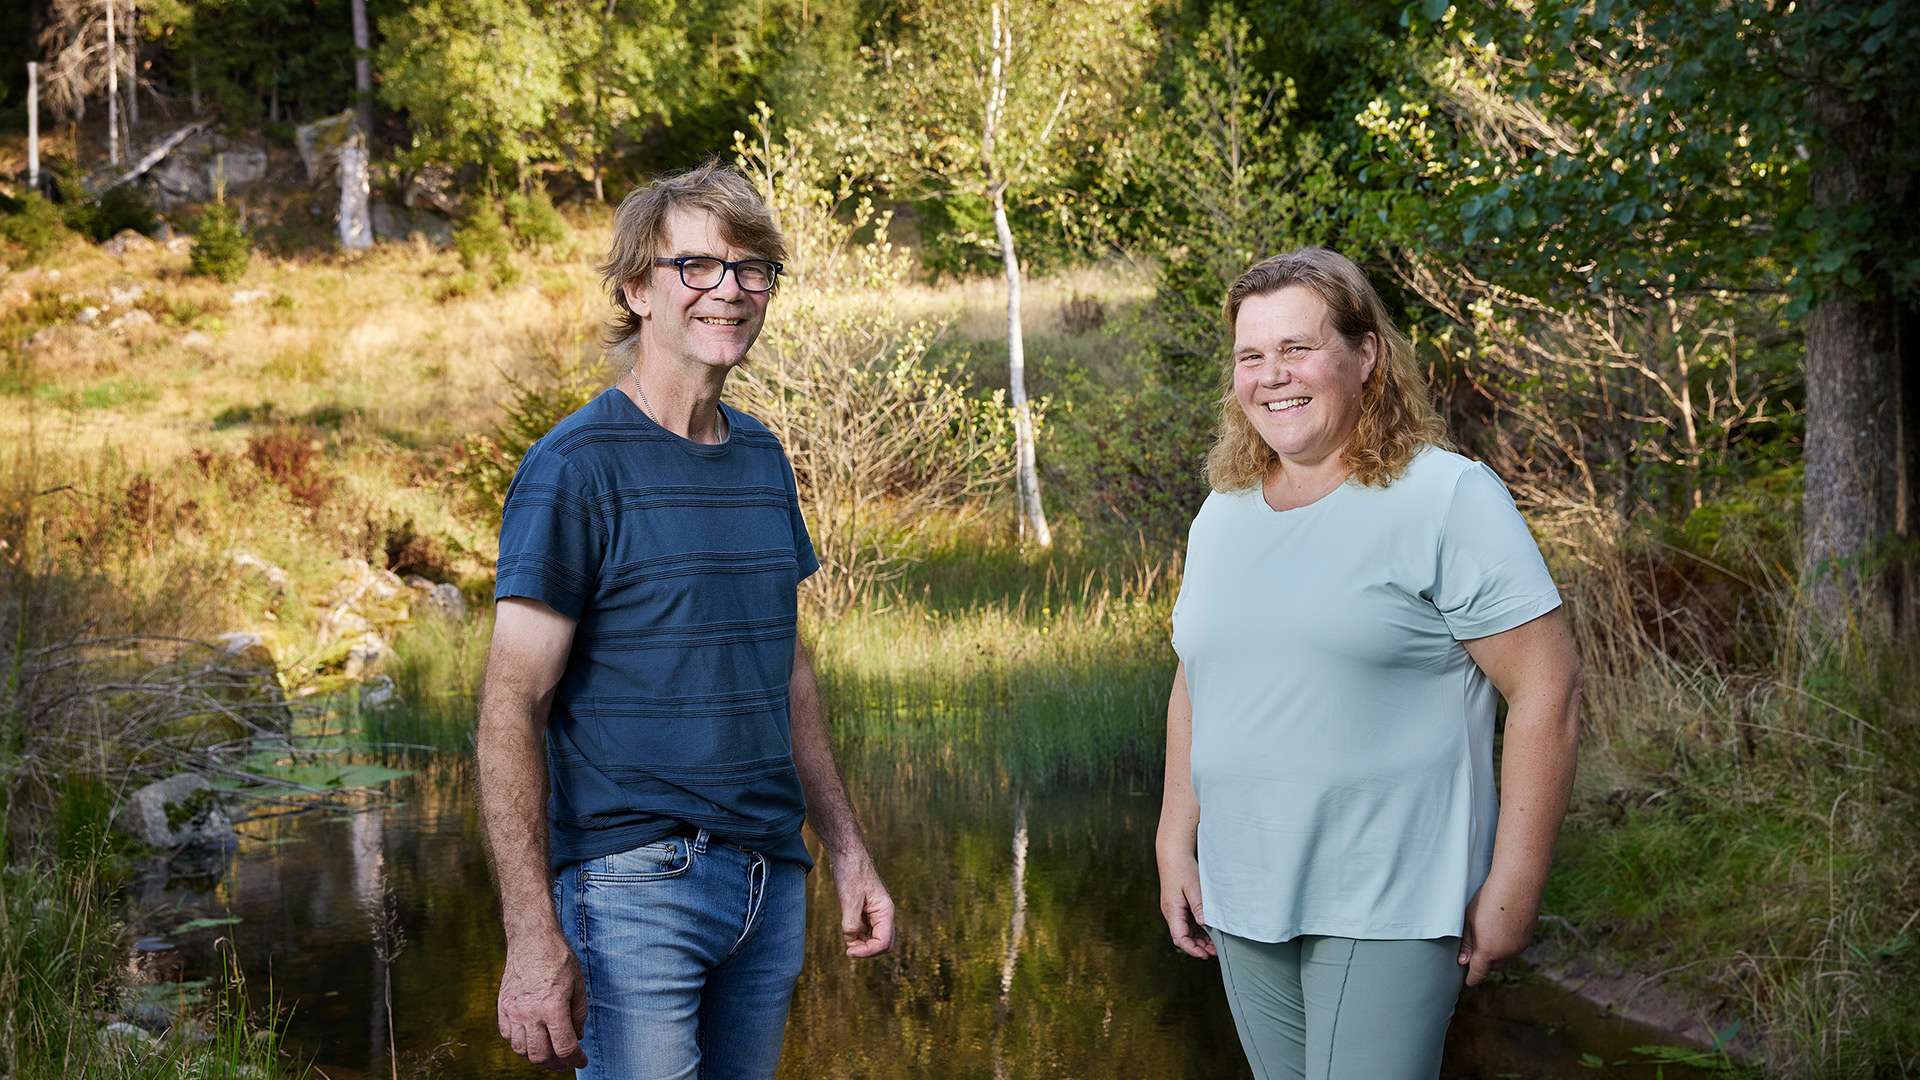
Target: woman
(1355, 595)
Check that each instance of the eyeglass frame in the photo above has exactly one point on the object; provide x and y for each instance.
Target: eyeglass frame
(679, 263)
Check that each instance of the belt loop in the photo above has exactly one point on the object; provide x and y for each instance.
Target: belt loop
(700, 841)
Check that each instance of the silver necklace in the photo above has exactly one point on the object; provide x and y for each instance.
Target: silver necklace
(647, 407)
(644, 406)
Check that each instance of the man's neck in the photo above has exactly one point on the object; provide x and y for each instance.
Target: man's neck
(684, 399)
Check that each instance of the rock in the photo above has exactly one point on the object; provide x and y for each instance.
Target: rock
(125, 295)
(321, 141)
(180, 811)
(367, 657)
(275, 578)
(191, 171)
(180, 245)
(122, 1039)
(379, 693)
(133, 318)
(246, 646)
(392, 222)
(248, 296)
(432, 186)
(343, 622)
(442, 601)
(88, 316)
(198, 339)
(127, 241)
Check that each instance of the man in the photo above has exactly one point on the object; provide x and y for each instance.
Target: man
(646, 668)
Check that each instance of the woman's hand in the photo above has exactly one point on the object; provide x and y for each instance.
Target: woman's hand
(1499, 927)
(1537, 669)
(1179, 831)
(1180, 904)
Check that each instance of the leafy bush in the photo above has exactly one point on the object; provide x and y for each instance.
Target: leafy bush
(287, 455)
(483, 238)
(33, 224)
(98, 216)
(533, 219)
(220, 249)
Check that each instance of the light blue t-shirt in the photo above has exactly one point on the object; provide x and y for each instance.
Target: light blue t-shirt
(1342, 737)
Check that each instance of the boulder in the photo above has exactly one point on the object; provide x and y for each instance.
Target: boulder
(379, 693)
(252, 566)
(191, 171)
(441, 601)
(131, 319)
(180, 811)
(320, 143)
(432, 186)
(366, 657)
(392, 222)
(126, 242)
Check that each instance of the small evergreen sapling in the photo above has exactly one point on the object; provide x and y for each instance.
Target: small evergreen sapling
(220, 248)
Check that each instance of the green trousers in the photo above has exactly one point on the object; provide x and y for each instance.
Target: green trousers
(1333, 1008)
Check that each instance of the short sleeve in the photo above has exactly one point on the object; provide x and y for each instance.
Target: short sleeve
(551, 542)
(803, 554)
(1490, 576)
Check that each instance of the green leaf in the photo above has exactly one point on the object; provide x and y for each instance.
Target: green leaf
(1434, 10)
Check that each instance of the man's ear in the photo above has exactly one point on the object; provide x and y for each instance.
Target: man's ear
(635, 291)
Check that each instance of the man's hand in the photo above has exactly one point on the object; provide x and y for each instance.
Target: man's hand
(1499, 927)
(543, 1004)
(1180, 904)
(866, 911)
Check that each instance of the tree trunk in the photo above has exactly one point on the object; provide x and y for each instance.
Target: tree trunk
(362, 71)
(133, 75)
(1033, 516)
(113, 94)
(1857, 443)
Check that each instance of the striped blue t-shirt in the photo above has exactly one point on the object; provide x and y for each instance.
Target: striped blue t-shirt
(679, 563)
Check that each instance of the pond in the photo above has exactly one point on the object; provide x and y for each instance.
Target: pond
(1031, 944)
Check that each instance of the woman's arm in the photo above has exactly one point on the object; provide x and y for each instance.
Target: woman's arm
(1176, 844)
(1537, 669)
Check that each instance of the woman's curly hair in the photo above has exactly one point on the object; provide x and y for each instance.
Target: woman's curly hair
(1397, 416)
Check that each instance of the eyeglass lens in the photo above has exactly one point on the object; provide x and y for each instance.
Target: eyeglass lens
(752, 274)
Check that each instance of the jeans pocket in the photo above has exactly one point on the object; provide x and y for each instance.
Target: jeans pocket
(648, 862)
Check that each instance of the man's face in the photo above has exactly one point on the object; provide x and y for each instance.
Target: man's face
(708, 327)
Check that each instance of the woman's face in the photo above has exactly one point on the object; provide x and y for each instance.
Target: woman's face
(1295, 377)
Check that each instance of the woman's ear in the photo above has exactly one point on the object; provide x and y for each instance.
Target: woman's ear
(1369, 353)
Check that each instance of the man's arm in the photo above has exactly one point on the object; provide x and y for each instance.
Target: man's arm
(1536, 667)
(866, 911)
(1175, 842)
(543, 1000)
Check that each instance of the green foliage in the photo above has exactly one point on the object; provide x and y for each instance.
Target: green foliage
(565, 375)
(534, 221)
(32, 224)
(1220, 177)
(483, 240)
(98, 217)
(220, 248)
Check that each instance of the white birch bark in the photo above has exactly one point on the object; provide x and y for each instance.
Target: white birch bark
(356, 227)
(1033, 515)
(113, 93)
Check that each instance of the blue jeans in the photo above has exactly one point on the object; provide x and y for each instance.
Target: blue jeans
(690, 949)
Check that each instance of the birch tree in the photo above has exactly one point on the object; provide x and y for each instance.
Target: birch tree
(986, 97)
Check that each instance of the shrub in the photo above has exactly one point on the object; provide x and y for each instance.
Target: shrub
(286, 454)
(533, 219)
(33, 224)
(220, 249)
(98, 216)
(483, 238)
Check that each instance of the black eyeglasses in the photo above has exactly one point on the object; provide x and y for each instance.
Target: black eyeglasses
(705, 271)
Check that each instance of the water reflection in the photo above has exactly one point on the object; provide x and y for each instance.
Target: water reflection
(1031, 944)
